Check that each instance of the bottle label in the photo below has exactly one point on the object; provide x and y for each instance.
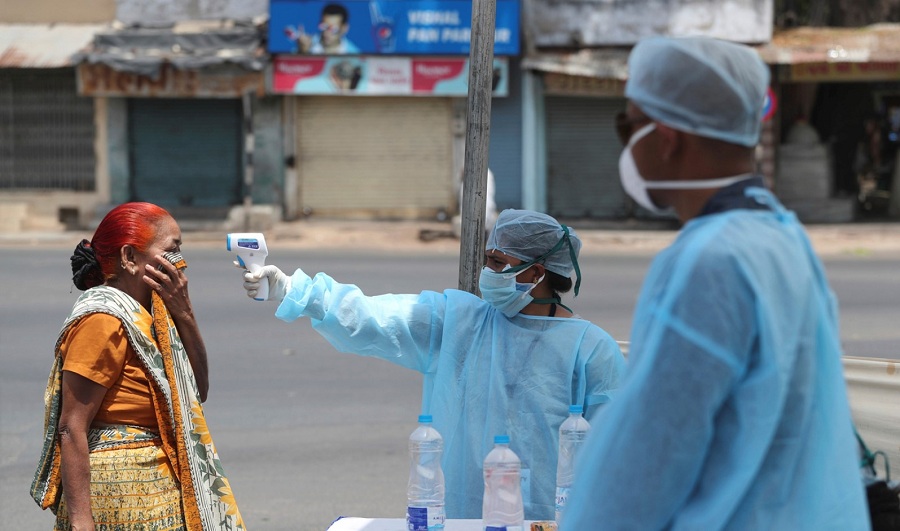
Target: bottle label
(562, 497)
(424, 518)
(525, 476)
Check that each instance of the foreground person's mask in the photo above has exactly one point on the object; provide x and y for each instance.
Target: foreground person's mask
(636, 186)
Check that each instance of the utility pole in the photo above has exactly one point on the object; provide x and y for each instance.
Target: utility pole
(478, 136)
(247, 107)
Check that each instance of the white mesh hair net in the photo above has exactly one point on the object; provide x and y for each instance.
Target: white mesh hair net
(699, 85)
(526, 235)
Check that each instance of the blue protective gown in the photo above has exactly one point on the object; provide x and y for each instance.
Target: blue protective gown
(733, 413)
(485, 374)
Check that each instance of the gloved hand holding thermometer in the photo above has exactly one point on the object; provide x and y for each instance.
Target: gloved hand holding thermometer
(251, 251)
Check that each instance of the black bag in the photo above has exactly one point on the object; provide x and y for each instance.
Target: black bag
(882, 496)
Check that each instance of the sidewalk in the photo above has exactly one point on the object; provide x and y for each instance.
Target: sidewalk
(404, 236)
(858, 239)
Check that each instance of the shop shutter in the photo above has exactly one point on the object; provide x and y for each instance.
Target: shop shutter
(374, 157)
(46, 131)
(505, 159)
(186, 152)
(583, 158)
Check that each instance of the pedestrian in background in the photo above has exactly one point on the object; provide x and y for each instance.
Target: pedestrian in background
(126, 444)
(733, 413)
(510, 363)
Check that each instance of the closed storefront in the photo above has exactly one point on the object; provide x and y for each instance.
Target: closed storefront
(186, 152)
(836, 126)
(374, 157)
(185, 119)
(378, 119)
(46, 131)
(582, 158)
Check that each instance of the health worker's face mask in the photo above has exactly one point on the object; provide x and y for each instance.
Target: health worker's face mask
(502, 291)
(636, 186)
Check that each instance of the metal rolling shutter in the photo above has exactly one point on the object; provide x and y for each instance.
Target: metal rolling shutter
(506, 143)
(46, 131)
(583, 158)
(374, 157)
(186, 152)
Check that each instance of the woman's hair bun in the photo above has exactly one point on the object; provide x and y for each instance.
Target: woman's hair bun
(86, 272)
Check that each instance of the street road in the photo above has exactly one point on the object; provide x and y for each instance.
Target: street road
(307, 434)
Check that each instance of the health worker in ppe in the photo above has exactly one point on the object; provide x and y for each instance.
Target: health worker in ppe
(508, 363)
(733, 413)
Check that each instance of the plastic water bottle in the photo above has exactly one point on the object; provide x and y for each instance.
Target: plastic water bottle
(502, 509)
(572, 434)
(425, 490)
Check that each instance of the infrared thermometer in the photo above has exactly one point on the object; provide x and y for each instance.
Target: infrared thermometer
(251, 251)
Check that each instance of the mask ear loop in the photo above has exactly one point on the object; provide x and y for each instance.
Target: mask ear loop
(568, 241)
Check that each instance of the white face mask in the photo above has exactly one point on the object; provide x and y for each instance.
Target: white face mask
(503, 292)
(636, 186)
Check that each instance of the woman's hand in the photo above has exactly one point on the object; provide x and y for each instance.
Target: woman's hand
(172, 286)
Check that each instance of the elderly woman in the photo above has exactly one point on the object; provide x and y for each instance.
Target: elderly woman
(511, 362)
(126, 444)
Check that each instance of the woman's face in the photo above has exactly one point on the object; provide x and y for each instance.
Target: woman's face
(496, 261)
(168, 239)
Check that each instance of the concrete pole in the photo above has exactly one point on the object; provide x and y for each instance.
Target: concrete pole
(247, 105)
(478, 130)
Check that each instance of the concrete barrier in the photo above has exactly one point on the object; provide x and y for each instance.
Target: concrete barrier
(873, 386)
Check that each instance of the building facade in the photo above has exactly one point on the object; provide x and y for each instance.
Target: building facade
(240, 113)
(49, 171)
(576, 67)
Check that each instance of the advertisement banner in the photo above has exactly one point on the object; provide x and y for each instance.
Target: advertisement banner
(379, 76)
(384, 27)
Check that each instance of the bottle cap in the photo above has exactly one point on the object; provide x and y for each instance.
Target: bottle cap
(424, 419)
(576, 409)
(501, 439)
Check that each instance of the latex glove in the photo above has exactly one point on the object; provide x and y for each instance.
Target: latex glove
(279, 283)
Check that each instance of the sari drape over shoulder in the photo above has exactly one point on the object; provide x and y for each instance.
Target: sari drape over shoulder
(207, 500)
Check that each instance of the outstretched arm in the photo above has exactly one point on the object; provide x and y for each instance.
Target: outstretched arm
(403, 329)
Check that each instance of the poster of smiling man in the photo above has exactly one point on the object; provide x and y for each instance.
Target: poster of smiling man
(384, 27)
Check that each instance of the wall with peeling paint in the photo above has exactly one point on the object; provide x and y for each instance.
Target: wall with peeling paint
(167, 11)
(587, 23)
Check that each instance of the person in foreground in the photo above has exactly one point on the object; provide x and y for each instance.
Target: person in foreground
(126, 444)
(508, 363)
(733, 413)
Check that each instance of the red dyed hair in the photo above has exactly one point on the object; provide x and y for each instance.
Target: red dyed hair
(134, 224)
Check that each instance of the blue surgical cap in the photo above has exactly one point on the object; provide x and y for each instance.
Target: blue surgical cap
(527, 235)
(699, 85)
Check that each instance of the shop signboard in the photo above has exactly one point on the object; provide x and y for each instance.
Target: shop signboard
(384, 27)
(844, 71)
(379, 76)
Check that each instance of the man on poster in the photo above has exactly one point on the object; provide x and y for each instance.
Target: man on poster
(332, 37)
